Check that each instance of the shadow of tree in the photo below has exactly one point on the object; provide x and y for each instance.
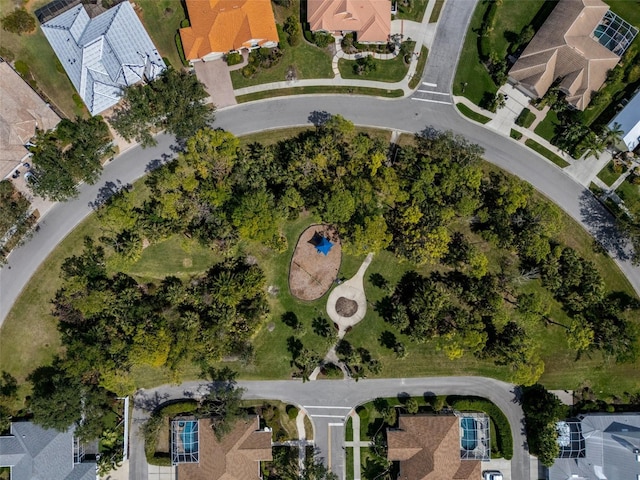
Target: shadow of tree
(602, 226)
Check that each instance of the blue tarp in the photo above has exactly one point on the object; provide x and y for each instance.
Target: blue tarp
(324, 246)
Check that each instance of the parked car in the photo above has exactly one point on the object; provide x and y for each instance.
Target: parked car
(492, 475)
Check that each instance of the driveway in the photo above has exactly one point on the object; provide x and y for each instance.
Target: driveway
(217, 81)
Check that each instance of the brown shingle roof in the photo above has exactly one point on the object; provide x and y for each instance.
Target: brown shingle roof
(563, 48)
(21, 110)
(236, 457)
(371, 19)
(428, 448)
(224, 25)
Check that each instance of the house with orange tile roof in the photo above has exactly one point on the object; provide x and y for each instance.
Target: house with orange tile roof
(221, 26)
(200, 455)
(439, 447)
(370, 20)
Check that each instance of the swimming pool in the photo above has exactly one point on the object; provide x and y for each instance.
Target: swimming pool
(468, 440)
(189, 436)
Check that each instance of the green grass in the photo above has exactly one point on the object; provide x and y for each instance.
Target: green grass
(435, 13)
(526, 118)
(467, 112)
(547, 127)
(349, 463)
(319, 89)
(422, 62)
(34, 50)
(608, 175)
(415, 12)
(630, 193)
(390, 71)
(515, 134)
(309, 62)
(545, 152)
(161, 19)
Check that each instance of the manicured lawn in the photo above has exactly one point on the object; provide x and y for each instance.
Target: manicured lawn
(545, 152)
(547, 127)
(415, 12)
(348, 467)
(282, 92)
(630, 193)
(608, 175)
(162, 20)
(515, 134)
(435, 13)
(386, 70)
(48, 75)
(526, 118)
(467, 112)
(309, 62)
(422, 61)
(511, 17)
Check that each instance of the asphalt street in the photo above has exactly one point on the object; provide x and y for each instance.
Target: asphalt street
(328, 403)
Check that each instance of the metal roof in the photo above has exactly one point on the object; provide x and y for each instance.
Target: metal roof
(103, 55)
(628, 120)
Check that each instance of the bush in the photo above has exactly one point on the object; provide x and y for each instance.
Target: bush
(233, 58)
(292, 412)
(292, 29)
(185, 23)
(19, 21)
(503, 437)
(322, 40)
(22, 68)
(183, 406)
(183, 58)
(526, 118)
(248, 71)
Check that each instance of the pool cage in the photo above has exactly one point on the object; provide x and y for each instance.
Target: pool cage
(185, 446)
(475, 436)
(614, 33)
(570, 440)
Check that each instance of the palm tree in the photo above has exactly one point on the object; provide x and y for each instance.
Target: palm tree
(593, 145)
(612, 135)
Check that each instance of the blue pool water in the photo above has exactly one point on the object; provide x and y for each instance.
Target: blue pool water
(468, 440)
(189, 436)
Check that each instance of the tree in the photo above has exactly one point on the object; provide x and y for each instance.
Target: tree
(542, 409)
(174, 101)
(19, 21)
(611, 135)
(292, 29)
(592, 145)
(412, 405)
(223, 402)
(365, 65)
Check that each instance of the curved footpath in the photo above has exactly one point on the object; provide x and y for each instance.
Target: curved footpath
(328, 403)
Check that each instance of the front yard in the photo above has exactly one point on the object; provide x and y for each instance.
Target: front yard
(390, 71)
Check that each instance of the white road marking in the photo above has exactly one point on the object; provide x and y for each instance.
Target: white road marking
(431, 101)
(433, 93)
(336, 424)
(324, 406)
(430, 84)
(327, 416)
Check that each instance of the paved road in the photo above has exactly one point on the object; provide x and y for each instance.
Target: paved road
(328, 402)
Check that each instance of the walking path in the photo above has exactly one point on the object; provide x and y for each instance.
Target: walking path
(356, 443)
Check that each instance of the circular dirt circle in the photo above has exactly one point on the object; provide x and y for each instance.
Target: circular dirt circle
(346, 307)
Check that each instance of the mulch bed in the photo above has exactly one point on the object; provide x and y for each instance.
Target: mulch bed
(311, 274)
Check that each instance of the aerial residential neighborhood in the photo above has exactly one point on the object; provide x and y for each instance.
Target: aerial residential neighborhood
(320, 239)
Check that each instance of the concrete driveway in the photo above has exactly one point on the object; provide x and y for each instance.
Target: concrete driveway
(217, 81)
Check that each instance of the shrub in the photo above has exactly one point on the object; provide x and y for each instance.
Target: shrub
(77, 100)
(22, 68)
(181, 50)
(183, 406)
(292, 29)
(233, 58)
(19, 21)
(322, 40)
(248, 71)
(504, 440)
(308, 36)
(292, 412)
(185, 23)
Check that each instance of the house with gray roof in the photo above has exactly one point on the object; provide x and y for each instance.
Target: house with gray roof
(104, 54)
(598, 447)
(36, 453)
(628, 120)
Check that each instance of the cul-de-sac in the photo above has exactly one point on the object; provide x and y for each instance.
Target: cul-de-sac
(319, 240)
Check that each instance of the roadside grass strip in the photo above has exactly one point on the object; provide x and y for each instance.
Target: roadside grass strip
(545, 152)
(467, 112)
(320, 89)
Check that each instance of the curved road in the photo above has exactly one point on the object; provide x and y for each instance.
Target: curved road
(328, 403)
(406, 115)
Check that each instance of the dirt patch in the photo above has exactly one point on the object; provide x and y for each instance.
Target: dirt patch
(346, 307)
(311, 273)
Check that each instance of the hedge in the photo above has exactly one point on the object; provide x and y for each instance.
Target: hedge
(502, 427)
(181, 50)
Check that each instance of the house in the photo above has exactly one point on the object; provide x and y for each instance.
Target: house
(439, 447)
(104, 54)
(199, 455)
(220, 26)
(369, 19)
(598, 446)
(628, 120)
(578, 44)
(36, 453)
(21, 112)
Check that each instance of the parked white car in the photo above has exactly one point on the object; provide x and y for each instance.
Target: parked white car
(492, 475)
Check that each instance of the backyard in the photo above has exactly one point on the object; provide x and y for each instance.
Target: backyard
(161, 19)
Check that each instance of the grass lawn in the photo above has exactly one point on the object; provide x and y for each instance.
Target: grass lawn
(308, 60)
(630, 193)
(547, 127)
(435, 13)
(327, 89)
(608, 175)
(515, 134)
(386, 70)
(415, 12)
(467, 112)
(162, 20)
(545, 152)
(39, 338)
(526, 118)
(348, 468)
(422, 61)
(45, 69)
